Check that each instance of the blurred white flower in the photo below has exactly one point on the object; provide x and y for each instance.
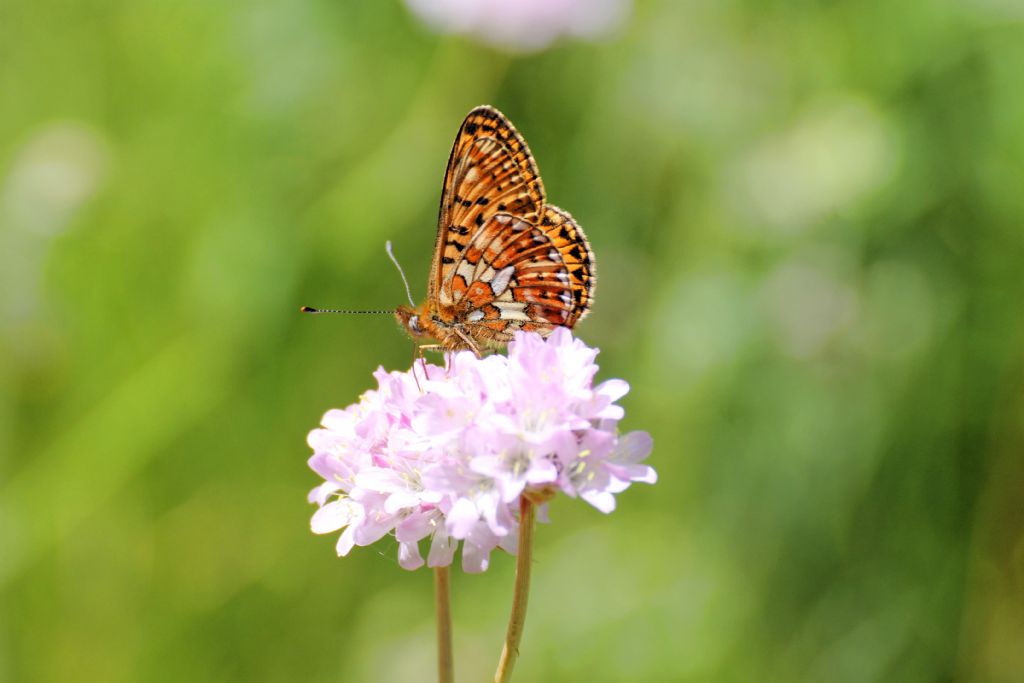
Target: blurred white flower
(522, 25)
(56, 172)
(51, 177)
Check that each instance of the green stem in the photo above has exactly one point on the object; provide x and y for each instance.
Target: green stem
(442, 596)
(524, 559)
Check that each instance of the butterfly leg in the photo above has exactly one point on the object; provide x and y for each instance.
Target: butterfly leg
(470, 344)
(417, 355)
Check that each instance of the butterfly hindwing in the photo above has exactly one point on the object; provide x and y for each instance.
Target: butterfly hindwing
(516, 275)
(574, 248)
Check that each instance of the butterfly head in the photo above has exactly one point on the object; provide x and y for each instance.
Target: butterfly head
(412, 322)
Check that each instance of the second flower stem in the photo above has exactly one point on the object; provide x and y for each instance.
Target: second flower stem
(524, 560)
(442, 597)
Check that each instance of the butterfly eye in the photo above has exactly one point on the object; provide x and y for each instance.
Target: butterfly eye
(414, 324)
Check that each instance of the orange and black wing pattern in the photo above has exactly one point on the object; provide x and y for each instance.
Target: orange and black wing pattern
(504, 260)
(490, 171)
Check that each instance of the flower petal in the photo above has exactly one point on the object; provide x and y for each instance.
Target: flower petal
(400, 500)
(322, 493)
(633, 447)
(409, 556)
(442, 550)
(462, 517)
(346, 541)
(332, 516)
(602, 500)
(612, 389)
(380, 479)
(415, 527)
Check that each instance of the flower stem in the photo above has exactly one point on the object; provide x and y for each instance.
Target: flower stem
(442, 597)
(524, 559)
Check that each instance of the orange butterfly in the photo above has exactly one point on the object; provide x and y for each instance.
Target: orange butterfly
(504, 259)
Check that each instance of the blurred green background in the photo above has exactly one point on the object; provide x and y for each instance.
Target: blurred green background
(809, 225)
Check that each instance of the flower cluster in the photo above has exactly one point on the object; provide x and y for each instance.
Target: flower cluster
(446, 453)
(522, 25)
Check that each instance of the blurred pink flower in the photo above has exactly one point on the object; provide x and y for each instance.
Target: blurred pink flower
(522, 25)
(449, 460)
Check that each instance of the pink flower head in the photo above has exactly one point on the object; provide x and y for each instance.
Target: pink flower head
(449, 458)
(522, 25)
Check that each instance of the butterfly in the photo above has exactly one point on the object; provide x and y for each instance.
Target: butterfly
(504, 259)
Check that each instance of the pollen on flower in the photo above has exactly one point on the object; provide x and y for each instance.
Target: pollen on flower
(447, 458)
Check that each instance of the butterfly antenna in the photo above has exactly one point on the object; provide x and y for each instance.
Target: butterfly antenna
(310, 309)
(391, 255)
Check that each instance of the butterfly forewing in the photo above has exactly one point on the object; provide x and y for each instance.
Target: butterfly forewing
(490, 170)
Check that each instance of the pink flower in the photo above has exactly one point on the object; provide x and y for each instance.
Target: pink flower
(522, 25)
(448, 459)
